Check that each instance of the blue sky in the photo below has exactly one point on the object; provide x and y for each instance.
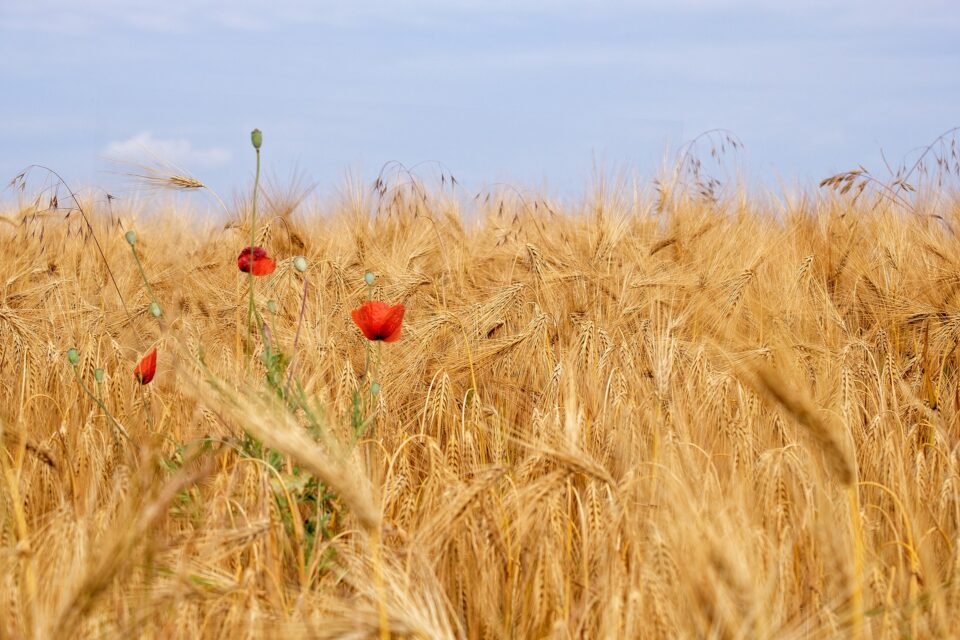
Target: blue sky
(533, 93)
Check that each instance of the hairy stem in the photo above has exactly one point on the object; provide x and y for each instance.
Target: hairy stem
(296, 337)
(253, 242)
(143, 274)
(102, 406)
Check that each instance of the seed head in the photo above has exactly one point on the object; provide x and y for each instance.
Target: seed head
(256, 137)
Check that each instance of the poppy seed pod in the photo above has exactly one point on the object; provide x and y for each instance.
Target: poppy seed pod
(256, 137)
(300, 264)
(131, 237)
(98, 374)
(368, 277)
(155, 310)
(73, 356)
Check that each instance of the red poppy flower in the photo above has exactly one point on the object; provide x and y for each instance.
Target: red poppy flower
(256, 261)
(378, 320)
(147, 367)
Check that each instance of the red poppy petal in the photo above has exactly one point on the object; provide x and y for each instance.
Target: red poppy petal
(264, 266)
(390, 329)
(146, 368)
(249, 257)
(361, 319)
(371, 314)
(244, 261)
(257, 252)
(377, 311)
(378, 320)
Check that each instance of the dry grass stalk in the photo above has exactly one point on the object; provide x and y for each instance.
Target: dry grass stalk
(574, 437)
(827, 435)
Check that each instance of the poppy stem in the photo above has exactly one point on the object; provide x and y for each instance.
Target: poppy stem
(373, 386)
(366, 363)
(368, 278)
(102, 406)
(296, 337)
(364, 390)
(253, 243)
(147, 406)
(143, 274)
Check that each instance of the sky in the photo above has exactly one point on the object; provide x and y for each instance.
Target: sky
(537, 94)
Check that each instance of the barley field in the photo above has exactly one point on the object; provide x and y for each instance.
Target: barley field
(646, 414)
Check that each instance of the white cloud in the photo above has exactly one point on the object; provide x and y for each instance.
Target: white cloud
(178, 151)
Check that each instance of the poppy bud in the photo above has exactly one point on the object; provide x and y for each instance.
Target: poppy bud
(131, 237)
(300, 264)
(375, 388)
(368, 277)
(271, 306)
(256, 137)
(98, 374)
(73, 356)
(155, 310)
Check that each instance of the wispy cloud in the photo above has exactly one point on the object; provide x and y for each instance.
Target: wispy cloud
(181, 16)
(178, 151)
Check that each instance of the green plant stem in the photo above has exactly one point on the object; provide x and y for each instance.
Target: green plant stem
(366, 362)
(143, 274)
(371, 400)
(148, 407)
(296, 338)
(253, 242)
(102, 406)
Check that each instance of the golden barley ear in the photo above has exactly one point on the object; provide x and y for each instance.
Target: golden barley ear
(819, 425)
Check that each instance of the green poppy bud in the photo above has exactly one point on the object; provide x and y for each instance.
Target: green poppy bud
(98, 374)
(73, 356)
(256, 137)
(131, 237)
(368, 277)
(375, 388)
(271, 306)
(300, 264)
(155, 310)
